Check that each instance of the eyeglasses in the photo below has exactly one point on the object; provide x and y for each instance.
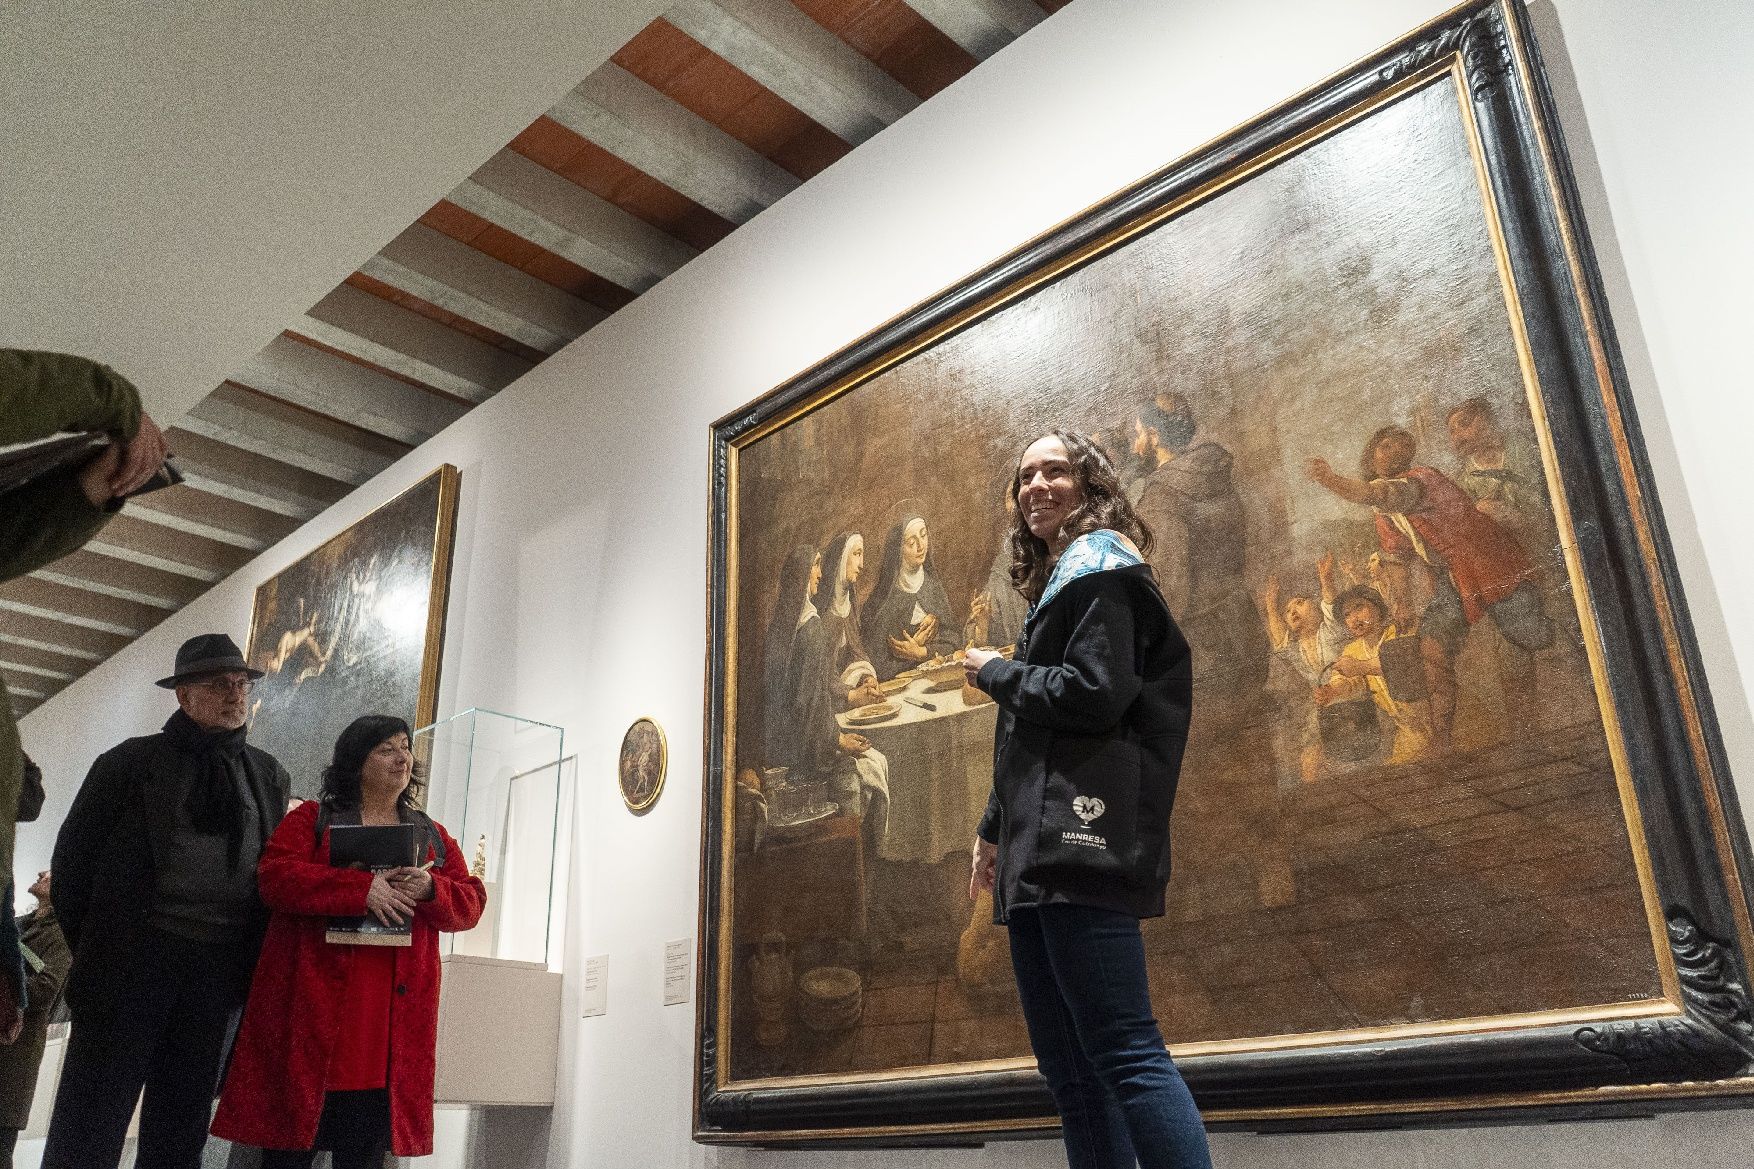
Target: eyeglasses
(227, 685)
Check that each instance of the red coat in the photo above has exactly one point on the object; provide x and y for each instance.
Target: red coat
(273, 1094)
(1483, 557)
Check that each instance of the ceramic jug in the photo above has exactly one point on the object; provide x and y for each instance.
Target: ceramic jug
(770, 979)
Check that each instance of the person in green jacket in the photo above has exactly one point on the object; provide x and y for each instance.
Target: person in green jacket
(42, 394)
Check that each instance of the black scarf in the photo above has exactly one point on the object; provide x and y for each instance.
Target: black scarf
(215, 804)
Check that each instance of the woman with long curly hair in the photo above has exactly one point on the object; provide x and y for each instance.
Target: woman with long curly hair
(1074, 846)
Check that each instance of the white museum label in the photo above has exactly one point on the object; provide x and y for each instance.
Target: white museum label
(678, 959)
(594, 1000)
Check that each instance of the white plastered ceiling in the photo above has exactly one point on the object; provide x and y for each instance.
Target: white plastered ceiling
(316, 235)
(182, 181)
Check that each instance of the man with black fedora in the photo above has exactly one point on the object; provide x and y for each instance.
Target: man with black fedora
(155, 884)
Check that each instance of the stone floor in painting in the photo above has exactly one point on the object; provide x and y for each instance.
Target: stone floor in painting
(1500, 883)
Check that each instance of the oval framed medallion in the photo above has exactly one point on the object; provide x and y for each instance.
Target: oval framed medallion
(645, 757)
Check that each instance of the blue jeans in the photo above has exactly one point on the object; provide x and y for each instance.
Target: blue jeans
(1081, 976)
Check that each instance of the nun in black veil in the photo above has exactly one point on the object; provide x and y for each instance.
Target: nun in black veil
(837, 599)
(801, 697)
(907, 617)
(792, 610)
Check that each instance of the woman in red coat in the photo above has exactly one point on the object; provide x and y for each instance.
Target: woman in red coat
(336, 1047)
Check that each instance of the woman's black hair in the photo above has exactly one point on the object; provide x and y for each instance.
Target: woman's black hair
(1105, 506)
(341, 781)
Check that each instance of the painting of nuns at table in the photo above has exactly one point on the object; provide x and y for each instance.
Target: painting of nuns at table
(907, 616)
(1512, 891)
(810, 762)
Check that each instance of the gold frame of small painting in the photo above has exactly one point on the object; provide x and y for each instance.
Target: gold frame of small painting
(638, 796)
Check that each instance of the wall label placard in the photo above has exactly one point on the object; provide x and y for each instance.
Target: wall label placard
(594, 998)
(678, 964)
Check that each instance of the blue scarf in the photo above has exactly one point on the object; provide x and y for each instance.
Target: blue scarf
(1097, 551)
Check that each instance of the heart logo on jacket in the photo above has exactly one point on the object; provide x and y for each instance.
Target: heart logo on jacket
(1087, 808)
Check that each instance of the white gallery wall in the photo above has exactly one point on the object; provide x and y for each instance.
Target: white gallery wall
(579, 591)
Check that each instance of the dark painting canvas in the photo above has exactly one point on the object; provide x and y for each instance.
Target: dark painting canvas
(1407, 809)
(354, 627)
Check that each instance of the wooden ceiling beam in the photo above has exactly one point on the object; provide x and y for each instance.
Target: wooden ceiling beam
(45, 663)
(455, 277)
(800, 62)
(277, 430)
(130, 538)
(390, 336)
(112, 577)
(74, 606)
(655, 134)
(342, 389)
(538, 205)
(981, 27)
(188, 509)
(31, 687)
(33, 631)
(247, 477)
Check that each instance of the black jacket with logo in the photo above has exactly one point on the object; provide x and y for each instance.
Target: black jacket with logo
(1093, 719)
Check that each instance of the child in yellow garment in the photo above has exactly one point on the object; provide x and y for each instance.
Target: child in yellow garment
(1307, 640)
(1359, 672)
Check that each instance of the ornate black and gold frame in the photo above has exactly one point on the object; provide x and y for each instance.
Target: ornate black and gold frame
(1693, 1045)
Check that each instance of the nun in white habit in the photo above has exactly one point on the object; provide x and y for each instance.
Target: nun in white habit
(908, 620)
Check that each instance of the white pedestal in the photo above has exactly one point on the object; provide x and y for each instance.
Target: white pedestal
(498, 1032)
(479, 942)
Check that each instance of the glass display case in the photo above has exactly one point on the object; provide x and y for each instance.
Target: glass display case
(495, 781)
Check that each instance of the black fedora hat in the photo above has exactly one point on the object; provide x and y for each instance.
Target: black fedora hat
(210, 653)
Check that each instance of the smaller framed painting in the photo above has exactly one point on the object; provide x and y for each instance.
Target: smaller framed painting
(645, 757)
(356, 625)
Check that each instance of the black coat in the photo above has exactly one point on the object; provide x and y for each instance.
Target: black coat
(105, 882)
(1093, 719)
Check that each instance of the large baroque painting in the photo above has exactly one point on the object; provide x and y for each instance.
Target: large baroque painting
(1410, 814)
(354, 627)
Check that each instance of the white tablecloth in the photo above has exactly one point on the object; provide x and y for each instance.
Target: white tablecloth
(940, 771)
